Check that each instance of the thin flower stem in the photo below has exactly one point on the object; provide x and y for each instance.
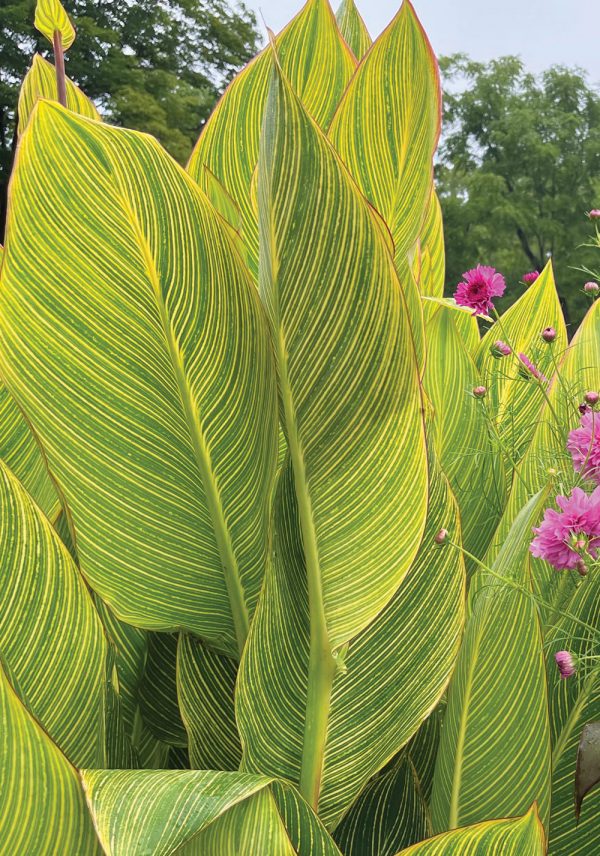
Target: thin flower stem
(500, 442)
(524, 590)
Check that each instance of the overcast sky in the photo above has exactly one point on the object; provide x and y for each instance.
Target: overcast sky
(543, 32)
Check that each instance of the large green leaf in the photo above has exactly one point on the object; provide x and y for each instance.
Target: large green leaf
(155, 813)
(461, 433)
(353, 28)
(50, 17)
(514, 400)
(431, 246)
(50, 635)
(40, 82)
(519, 837)
(136, 343)
(42, 807)
(387, 126)
(310, 50)
(494, 757)
(158, 700)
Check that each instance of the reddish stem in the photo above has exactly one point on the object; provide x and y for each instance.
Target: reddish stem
(59, 63)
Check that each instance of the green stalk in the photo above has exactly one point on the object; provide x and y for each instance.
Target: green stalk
(59, 63)
(321, 665)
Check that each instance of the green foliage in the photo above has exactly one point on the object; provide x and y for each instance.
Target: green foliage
(518, 169)
(248, 452)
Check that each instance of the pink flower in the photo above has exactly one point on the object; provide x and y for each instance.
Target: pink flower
(594, 214)
(565, 663)
(480, 285)
(560, 533)
(584, 446)
(531, 369)
(530, 277)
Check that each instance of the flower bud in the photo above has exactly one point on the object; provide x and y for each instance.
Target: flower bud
(583, 408)
(500, 349)
(441, 536)
(594, 214)
(566, 663)
(530, 277)
(591, 288)
(581, 568)
(479, 391)
(548, 334)
(592, 398)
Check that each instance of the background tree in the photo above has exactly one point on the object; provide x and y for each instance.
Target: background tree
(155, 65)
(519, 166)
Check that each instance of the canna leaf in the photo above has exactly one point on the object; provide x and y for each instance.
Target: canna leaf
(135, 341)
(159, 705)
(222, 201)
(50, 17)
(494, 756)
(431, 240)
(40, 82)
(353, 28)
(42, 809)
(310, 50)
(217, 813)
(387, 126)
(50, 635)
(205, 686)
(512, 837)
(587, 776)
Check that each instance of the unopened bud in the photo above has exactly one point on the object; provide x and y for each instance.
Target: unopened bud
(592, 398)
(594, 214)
(591, 288)
(581, 568)
(500, 349)
(479, 391)
(548, 334)
(441, 536)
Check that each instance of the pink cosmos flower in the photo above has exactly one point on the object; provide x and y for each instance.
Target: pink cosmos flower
(480, 285)
(584, 446)
(530, 277)
(566, 663)
(561, 533)
(531, 369)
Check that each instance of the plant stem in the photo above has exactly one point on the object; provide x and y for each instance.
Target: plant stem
(59, 63)
(500, 442)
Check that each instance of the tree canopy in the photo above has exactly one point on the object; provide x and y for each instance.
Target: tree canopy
(518, 168)
(154, 65)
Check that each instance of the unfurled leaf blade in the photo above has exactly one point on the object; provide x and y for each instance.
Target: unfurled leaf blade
(50, 635)
(42, 809)
(512, 837)
(40, 82)
(353, 28)
(136, 343)
(158, 701)
(50, 17)
(310, 50)
(494, 756)
(431, 243)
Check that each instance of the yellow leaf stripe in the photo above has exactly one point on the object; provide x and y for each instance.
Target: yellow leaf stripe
(136, 343)
(494, 756)
(519, 837)
(50, 635)
(42, 809)
(50, 17)
(40, 82)
(433, 254)
(353, 28)
(310, 50)
(159, 705)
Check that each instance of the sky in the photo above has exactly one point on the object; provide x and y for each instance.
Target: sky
(542, 32)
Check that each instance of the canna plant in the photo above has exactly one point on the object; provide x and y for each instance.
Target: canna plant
(268, 581)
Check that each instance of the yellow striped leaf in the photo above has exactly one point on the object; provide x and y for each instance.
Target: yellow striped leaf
(50, 635)
(159, 706)
(353, 28)
(387, 126)
(40, 82)
(205, 687)
(494, 757)
(156, 813)
(389, 677)
(222, 201)
(42, 808)
(519, 837)
(515, 400)
(461, 433)
(310, 50)
(135, 341)
(433, 254)
(50, 17)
